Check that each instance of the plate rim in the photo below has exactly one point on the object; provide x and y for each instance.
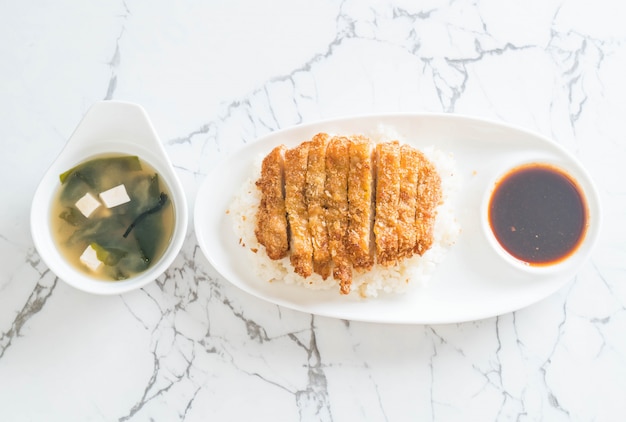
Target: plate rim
(591, 194)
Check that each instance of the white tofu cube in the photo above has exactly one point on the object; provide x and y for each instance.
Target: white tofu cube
(115, 196)
(90, 258)
(87, 204)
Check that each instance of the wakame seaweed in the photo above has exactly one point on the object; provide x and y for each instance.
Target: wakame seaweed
(72, 216)
(128, 237)
(159, 205)
(109, 256)
(91, 170)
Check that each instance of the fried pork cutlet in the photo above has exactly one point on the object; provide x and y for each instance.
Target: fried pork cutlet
(361, 197)
(271, 227)
(338, 204)
(429, 196)
(337, 169)
(387, 199)
(301, 256)
(315, 181)
(405, 227)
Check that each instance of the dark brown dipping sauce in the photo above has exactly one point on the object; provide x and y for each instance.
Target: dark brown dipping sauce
(538, 214)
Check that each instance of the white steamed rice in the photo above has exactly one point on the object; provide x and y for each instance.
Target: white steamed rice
(416, 270)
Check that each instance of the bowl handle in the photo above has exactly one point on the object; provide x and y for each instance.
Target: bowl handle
(107, 120)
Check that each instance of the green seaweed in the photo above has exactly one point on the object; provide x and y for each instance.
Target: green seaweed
(76, 186)
(127, 238)
(72, 216)
(108, 256)
(90, 170)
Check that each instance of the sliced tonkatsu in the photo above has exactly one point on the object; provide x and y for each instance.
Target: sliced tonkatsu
(407, 204)
(429, 196)
(337, 218)
(271, 227)
(315, 184)
(338, 205)
(387, 199)
(296, 162)
(361, 199)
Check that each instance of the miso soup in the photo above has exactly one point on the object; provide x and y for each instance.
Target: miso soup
(112, 216)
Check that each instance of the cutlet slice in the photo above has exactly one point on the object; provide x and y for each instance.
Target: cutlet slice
(337, 169)
(316, 204)
(301, 256)
(429, 197)
(407, 232)
(387, 199)
(361, 197)
(271, 226)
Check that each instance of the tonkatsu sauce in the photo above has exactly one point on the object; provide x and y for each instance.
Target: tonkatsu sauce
(538, 214)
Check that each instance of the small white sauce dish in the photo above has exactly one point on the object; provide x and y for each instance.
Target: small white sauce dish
(568, 167)
(107, 127)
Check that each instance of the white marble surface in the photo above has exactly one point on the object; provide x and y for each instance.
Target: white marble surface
(214, 76)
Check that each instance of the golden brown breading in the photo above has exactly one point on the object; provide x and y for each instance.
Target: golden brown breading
(339, 204)
(429, 196)
(316, 204)
(361, 197)
(337, 169)
(301, 256)
(271, 227)
(387, 198)
(407, 232)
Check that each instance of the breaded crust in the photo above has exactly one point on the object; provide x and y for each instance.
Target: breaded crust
(429, 196)
(407, 204)
(339, 204)
(337, 169)
(387, 198)
(361, 198)
(316, 204)
(301, 256)
(271, 227)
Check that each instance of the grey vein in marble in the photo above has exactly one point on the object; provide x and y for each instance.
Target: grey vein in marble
(36, 301)
(279, 351)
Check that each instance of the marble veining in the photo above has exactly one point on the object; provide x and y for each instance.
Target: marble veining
(216, 76)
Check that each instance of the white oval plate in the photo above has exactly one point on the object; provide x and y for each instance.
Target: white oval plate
(473, 282)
